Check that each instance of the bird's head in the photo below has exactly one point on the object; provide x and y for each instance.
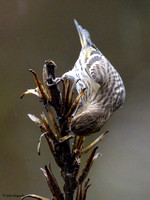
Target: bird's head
(85, 122)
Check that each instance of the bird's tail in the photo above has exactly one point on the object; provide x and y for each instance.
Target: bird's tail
(83, 35)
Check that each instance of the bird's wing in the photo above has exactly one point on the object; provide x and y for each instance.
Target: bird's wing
(96, 65)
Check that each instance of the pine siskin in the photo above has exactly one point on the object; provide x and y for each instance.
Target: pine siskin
(105, 91)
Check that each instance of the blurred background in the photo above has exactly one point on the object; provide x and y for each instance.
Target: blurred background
(33, 31)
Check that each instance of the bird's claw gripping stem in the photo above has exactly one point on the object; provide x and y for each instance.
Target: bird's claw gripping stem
(55, 81)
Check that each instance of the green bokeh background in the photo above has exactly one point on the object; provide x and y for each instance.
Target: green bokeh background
(33, 31)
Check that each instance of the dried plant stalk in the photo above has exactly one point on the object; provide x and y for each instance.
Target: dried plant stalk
(66, 154)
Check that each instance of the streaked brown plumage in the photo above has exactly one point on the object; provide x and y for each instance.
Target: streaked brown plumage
(105, 91)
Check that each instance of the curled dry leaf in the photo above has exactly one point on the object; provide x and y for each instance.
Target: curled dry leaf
(31, 91)
(96, 156)
(34, 197)
(39, 143)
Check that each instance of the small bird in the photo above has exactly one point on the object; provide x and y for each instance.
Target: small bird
(105, 91)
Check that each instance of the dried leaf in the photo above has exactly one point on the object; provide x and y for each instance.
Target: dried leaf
(94, 143)
(67, 137)
(97, 155)
(48, 129)
(35, 119)
(39, 143)
(34, 197)
(44, 173)
(87, 166)
(53, 185)
(75, 104)
(56, 127)
(45, 77)
(38, 122)
(78, 144)
(39, 85)
(30, 91)
(85, 188)
(78, 193)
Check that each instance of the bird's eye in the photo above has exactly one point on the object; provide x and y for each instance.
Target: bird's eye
(76, 127)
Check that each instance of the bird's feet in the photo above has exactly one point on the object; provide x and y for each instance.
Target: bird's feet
(55, 81)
